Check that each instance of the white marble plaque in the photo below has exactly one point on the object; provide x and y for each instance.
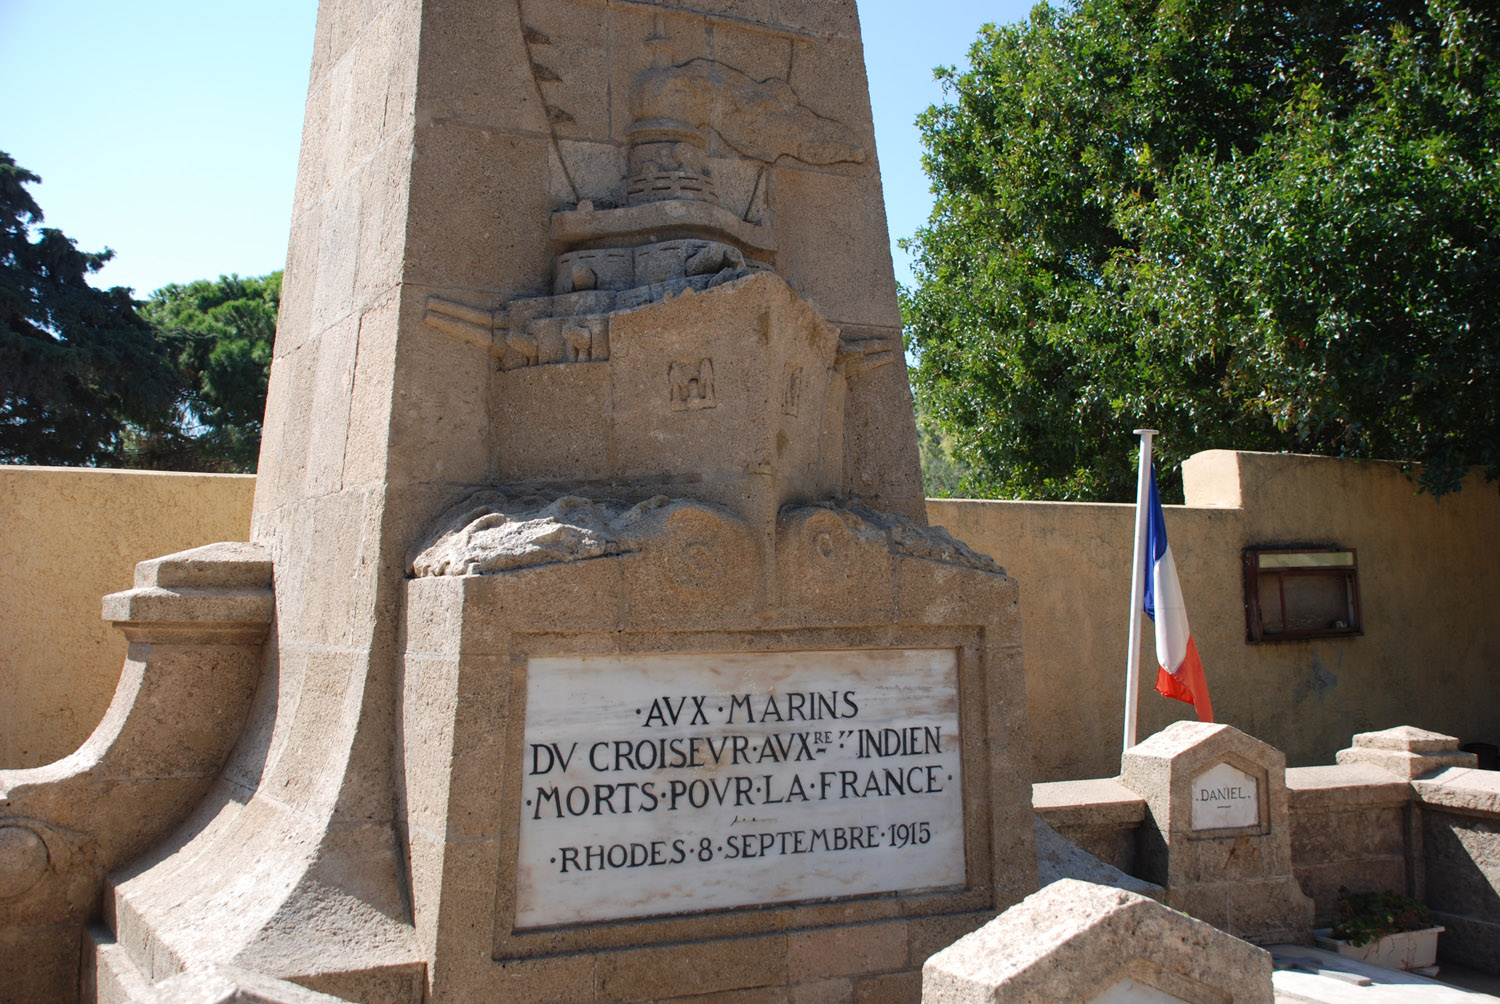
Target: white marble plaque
(1129, 991)
(1225, 796)
(668, 784)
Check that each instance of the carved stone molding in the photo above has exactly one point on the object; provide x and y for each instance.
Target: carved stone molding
(196, 621)
(489, 533)
(826, 524)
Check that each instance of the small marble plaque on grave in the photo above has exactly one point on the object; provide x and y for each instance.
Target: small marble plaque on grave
(675, 783)
(1225, 797)
(1130, 991)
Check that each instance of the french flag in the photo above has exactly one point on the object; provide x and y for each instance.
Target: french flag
(1179, 671)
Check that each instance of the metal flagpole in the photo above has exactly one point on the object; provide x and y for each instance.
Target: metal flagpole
(1137, 586)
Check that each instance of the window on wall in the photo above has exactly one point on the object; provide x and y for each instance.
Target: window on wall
(1291, 593)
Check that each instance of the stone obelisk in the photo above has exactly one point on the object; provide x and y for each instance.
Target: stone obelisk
(588, 416)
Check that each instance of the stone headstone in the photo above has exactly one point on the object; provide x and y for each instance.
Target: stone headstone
(1217, 832)
(1076, 941)
(1407, 751)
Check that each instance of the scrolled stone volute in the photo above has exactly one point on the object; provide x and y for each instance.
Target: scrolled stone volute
(196, 621)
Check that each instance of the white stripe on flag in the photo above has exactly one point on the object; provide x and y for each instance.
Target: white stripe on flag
(1171, 614)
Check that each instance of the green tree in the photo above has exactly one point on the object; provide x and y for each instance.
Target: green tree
(219, 334)
(1260, 226)
(78, 366)
(942, 475)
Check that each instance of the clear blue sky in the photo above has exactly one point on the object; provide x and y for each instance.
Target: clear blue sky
(168, 130)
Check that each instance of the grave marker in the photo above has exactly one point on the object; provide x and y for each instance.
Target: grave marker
(1077, 941)
(1217, 833)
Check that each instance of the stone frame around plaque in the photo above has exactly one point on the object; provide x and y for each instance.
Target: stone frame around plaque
(692, 577)
(510, 942)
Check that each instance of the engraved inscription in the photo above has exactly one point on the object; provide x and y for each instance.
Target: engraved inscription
(1225, 796)
(676, 783)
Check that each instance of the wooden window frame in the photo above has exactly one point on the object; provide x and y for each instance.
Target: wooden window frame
(1255, 631)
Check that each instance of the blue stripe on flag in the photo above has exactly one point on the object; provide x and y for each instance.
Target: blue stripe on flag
(1156, 544)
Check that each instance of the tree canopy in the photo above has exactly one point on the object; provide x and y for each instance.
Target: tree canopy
(87, 379)
(78, 366)
(219, 334)
(942, 475)
(1253, 226)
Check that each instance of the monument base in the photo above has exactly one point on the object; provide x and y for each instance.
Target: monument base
(695, 763)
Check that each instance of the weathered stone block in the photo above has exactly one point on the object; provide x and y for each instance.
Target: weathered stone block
(837, 991)
(892, 988)
(686, 970)
(1073, 941)
(847, 951)
(1407, 751)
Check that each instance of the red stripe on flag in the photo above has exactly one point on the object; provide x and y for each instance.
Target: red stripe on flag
(1187, 684)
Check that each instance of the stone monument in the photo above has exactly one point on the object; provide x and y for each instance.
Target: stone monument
(1077, 941)
(1218, 830)
(612, 658)
(1407, 751)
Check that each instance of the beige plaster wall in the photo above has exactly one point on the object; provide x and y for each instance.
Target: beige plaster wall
(1429, 582)
(1429, 579)
(67, 537)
